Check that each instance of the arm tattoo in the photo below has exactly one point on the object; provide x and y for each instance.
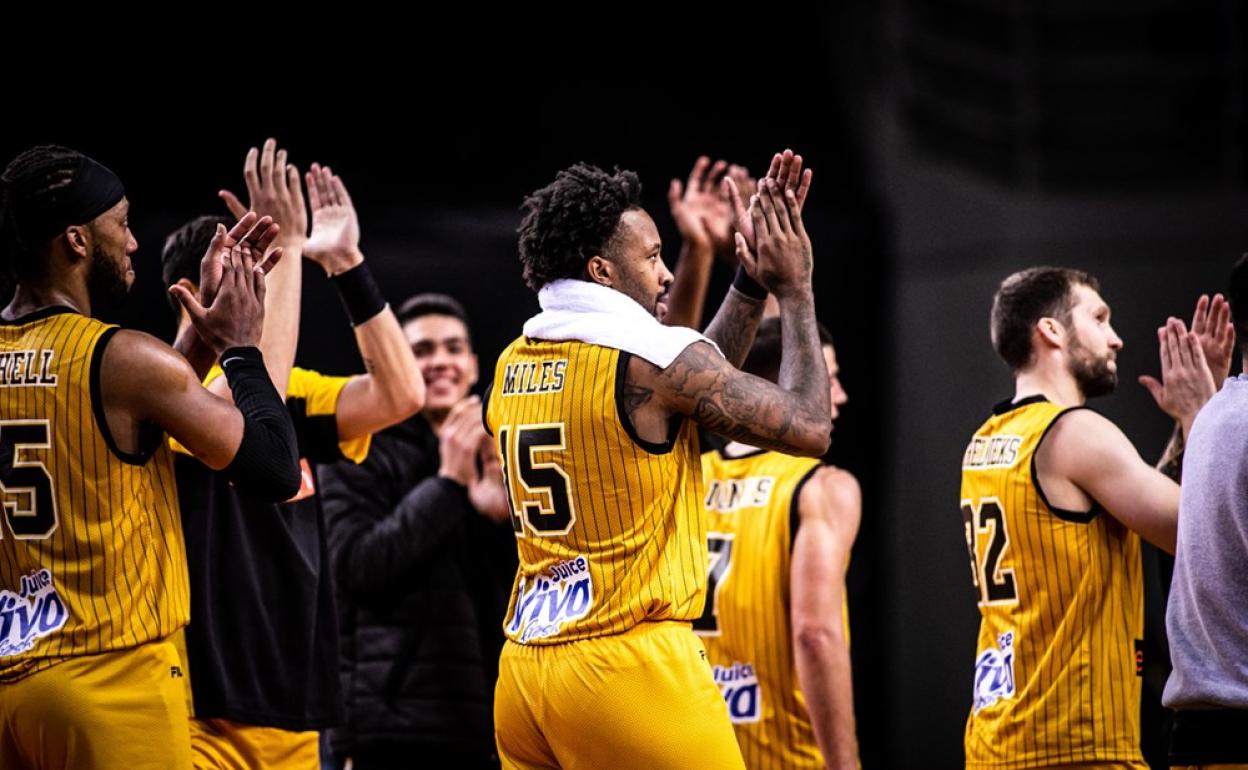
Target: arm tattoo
(802, 368)
(1171, 463)
(734, 325)
(635, 397)
(742, 407)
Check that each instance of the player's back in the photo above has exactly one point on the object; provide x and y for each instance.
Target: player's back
(91, 554)
(608, 526)
(1060, 599)
(751, 503)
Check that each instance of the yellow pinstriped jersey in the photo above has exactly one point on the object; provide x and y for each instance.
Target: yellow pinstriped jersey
(1061, 600)
(751, 507)
(609, 528)
(91, 551)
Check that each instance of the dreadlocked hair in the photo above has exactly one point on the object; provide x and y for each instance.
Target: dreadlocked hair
(30, 181)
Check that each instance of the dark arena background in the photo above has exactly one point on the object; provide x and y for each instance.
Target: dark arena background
(953, 142)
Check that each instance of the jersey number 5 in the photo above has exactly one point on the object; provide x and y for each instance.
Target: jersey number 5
(553, 512)
(25, 484)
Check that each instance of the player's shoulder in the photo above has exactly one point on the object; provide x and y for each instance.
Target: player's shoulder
(831, 492)
(1081, 432)
(129, 352)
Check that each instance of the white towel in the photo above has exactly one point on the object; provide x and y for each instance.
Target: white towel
(585, 311)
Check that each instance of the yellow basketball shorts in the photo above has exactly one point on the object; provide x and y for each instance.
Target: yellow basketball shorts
(644, 698)
(221, 744)
(124, 710)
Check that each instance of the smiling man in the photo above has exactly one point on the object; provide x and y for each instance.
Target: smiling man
(423, 558)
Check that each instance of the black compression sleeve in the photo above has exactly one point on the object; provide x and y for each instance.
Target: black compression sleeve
(267, 461)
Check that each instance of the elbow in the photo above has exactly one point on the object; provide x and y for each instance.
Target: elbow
(407, 401)
(286, 484)
(817, 440)
(816, 639)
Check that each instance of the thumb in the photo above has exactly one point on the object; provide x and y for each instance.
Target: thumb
(232, 203)
(1153, 386)
(189, 303)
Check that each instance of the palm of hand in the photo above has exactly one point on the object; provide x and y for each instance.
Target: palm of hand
(335, 230)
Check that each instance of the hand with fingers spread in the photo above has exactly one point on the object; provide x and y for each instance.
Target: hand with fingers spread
(782, 259)
(1211, 323)
(701, 207)
(274, 189)
(230, 309)
(786, 171)
(335, 240)
(1186, 382)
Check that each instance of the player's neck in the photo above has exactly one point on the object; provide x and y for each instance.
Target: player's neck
(32, 296)
(1058, 386)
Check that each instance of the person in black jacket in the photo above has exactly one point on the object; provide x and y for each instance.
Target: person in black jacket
(423, 558)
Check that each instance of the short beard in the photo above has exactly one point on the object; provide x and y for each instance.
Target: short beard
(106, 284)
(1093, 375)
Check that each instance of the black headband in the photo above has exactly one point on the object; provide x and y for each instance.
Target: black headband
(93, 190)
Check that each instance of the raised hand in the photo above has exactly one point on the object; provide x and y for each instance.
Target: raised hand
(1211, 323)
(335, 240)
(230, 309)
(701, 208)
(273, 189)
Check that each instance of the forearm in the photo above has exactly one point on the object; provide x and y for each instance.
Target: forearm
(734, 325)
(283, 292)
(823, 672)
(197, 353)
(802, 368)
(266, 462)
(393, 387)
(687, 295)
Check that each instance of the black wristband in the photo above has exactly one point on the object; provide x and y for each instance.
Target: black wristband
(360, 294)
(748, 286)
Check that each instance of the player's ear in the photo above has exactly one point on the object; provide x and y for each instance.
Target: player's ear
(1050, 331)
(79, 239)
(598, 270)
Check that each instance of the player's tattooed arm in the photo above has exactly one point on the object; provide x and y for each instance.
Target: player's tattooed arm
(701, 385)
(734, 326)
(1171, 463)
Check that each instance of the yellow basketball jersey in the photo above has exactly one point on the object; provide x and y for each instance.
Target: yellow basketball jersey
(752, 515)
(609, 528)
(91, 551)
(1061, 599)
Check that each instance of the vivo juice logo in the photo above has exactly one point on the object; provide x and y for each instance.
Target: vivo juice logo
(547, 602)
(739, 685)
(35, 611)
(994, 673)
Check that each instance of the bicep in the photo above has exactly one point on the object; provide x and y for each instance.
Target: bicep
(170, 395)
(830, 510)
(1101, 461)
(359, 407)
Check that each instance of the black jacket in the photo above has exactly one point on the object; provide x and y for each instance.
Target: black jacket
(422, 582)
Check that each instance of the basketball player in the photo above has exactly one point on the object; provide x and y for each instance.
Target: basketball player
(1054, 502)
(592, 411)
(262, 652)
(92, 561)
(775, 622)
